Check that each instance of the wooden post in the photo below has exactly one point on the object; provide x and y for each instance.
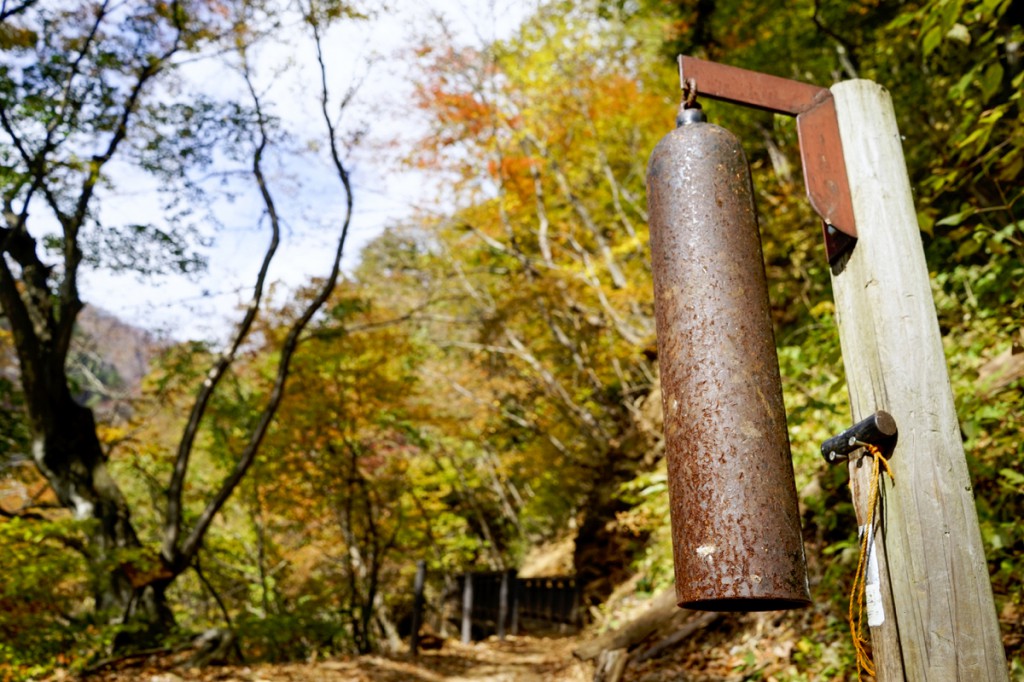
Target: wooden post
(508, 579)
(514, 605)
(417, 606)
(467, 608)
(549, 599)
(564, 605)
(930, 597)
(576, 617)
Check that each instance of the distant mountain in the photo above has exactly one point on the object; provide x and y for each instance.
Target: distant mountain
(106, 365)
(109, 357)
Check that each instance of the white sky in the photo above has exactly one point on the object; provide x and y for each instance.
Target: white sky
(308, 197)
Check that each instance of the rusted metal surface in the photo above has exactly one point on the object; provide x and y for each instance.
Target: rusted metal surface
(750, 88)
(879, 429)
(735, 523)
(821, 149)
(821, 153)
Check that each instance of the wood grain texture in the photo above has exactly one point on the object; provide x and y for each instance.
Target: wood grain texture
(940, 620)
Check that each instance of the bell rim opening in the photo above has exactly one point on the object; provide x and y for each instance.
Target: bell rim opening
(746, 604)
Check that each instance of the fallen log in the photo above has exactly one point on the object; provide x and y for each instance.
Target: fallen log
(663, 607)
(1002, 370)
(698, 623)
(610, 665)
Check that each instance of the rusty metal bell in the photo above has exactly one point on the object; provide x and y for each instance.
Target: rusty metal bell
(735, 522)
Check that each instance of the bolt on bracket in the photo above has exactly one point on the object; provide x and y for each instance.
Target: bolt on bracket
(821, 149)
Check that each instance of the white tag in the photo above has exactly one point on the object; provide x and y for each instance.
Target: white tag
(872, 585)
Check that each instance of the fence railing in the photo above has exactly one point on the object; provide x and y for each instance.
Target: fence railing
(501, 602)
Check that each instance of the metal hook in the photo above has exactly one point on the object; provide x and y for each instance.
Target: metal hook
(689, 88)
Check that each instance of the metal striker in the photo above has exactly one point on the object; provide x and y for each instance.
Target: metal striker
(879, 430)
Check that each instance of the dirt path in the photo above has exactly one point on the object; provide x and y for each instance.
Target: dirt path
(517, 659)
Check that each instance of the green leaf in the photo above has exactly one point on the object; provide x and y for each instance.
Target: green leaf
(950, 13)
(1013, 478)
(954, 219)
(931, 40)
(991, 80)
(926, 223)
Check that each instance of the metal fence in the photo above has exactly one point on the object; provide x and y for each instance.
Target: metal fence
(501, 602)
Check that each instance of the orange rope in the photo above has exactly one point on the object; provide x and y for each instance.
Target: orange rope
(857, 592)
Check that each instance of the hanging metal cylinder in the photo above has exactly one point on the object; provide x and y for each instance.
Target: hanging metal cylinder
(735, 522)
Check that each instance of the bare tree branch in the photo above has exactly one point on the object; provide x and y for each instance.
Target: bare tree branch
(8, 10)
(172, 525)
(69, 302)
(194, 540)
(618, 279)
(845, 48)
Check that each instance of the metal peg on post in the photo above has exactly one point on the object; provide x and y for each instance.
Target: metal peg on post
(878, 429)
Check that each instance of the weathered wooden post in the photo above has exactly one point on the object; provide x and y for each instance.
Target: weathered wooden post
(575, 615)
(467, 608)
(549, 599)
(930, 605)
(524, 598)
(505, 592)
(417, 606)
(936, 619)
(517, 589)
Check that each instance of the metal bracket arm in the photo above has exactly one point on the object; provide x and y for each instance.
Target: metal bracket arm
(821, 149)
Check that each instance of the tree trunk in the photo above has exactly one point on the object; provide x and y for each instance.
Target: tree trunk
(604, 551)
(67, 452)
